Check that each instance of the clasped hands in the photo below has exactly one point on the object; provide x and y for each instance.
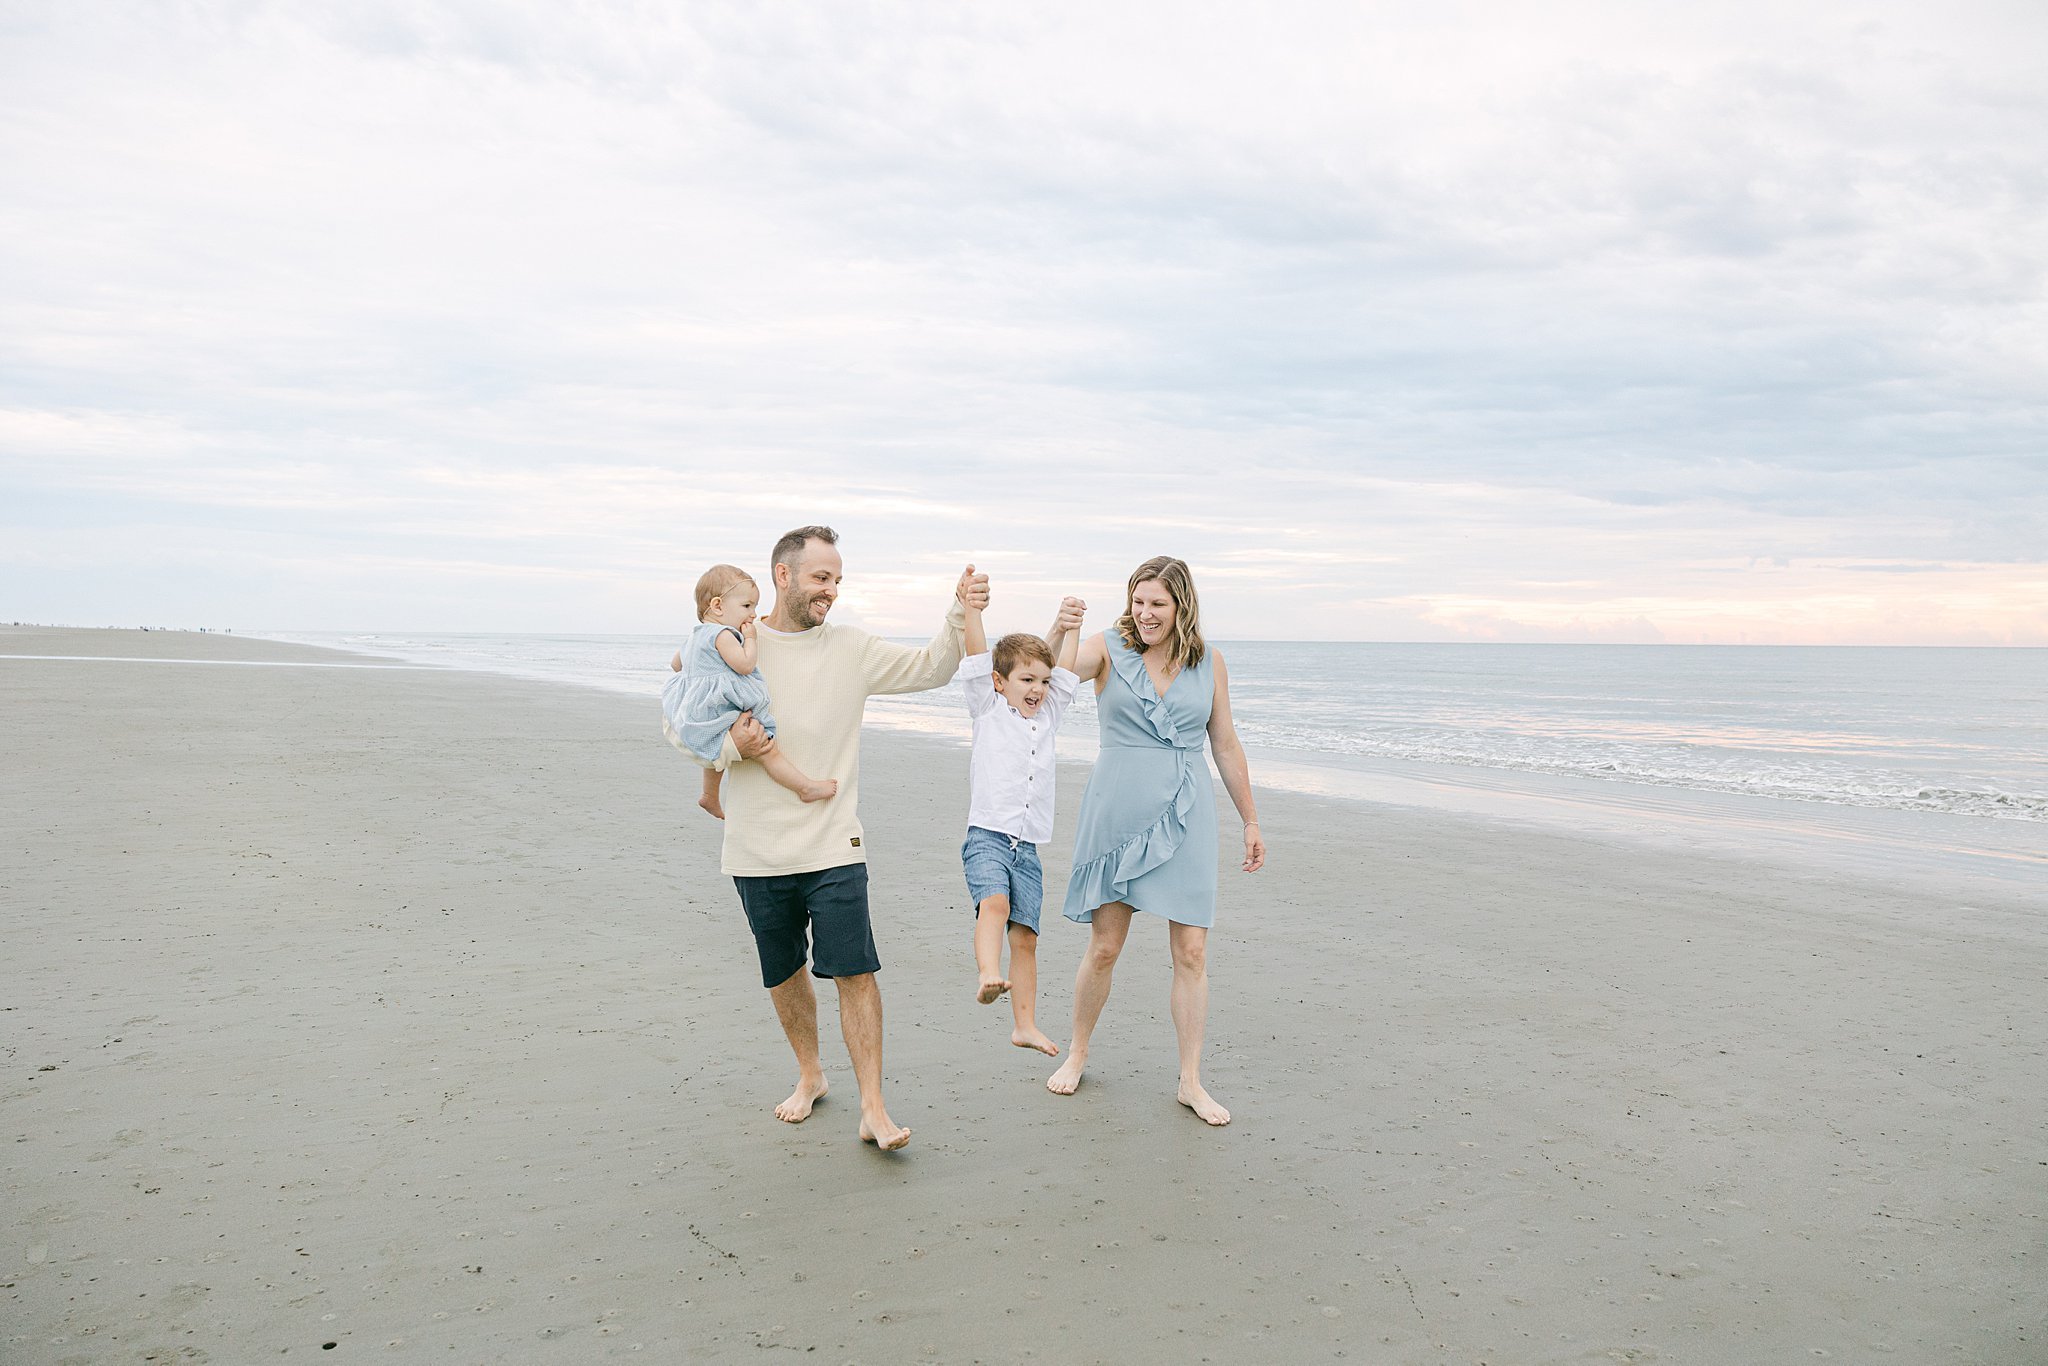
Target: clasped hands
(972, 590)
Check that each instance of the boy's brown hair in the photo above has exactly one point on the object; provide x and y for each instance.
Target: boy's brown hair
(718, 580)
(1013, 650)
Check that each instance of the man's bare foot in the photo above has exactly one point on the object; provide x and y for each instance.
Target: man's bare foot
(711, 804)
(1068, 1079)
(820, 790)
(1203, 1104)
(883, 1134)
(1035, 1038)
(991, 988)
(797, 1108)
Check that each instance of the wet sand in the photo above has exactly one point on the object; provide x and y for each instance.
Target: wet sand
(406, 1011)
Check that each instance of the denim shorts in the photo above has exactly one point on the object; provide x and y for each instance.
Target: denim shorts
(998, 865)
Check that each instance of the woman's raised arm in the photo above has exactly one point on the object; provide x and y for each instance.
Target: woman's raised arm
(1092, 664)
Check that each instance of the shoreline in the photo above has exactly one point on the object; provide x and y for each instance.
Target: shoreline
(406, 1010)
(1935, 848)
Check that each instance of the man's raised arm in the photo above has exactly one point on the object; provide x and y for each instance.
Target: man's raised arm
(889, 668)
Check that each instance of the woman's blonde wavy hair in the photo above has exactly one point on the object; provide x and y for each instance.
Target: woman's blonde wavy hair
(1184, 645)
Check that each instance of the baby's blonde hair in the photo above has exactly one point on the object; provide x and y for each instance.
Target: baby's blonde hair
(718, 580)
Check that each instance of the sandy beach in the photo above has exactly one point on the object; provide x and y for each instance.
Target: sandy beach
(364, 1012)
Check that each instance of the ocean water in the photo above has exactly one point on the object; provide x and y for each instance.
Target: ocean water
(1943, 749)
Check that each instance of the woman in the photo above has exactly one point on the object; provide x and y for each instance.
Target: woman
(1147, 837)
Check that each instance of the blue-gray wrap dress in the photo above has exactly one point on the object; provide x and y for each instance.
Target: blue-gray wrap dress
(1147, 833)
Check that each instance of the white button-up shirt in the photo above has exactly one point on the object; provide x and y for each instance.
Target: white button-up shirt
(1010, 776)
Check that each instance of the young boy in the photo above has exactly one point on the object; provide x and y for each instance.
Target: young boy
(1016, 696)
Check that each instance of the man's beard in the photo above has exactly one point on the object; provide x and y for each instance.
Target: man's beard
(809, 613)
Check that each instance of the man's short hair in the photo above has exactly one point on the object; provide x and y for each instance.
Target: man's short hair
(1013, 650)
(790, 548)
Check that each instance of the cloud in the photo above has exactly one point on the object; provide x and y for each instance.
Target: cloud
(1411, 302)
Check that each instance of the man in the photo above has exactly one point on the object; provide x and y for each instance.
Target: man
(800, 867)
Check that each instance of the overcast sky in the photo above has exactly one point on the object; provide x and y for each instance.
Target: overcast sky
(1429, 321)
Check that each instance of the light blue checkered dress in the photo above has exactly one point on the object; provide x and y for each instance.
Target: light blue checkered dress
(699, 705)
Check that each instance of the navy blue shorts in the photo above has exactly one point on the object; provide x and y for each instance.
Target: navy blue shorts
(821, 917)
(997, 865)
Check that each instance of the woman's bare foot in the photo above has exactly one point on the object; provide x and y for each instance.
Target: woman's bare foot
(820, 790)
(711, 804)
(1035, 1038)
(1203, 1104)
(797, 1108)
(992, 987)
(883, 1133)
(1068, 1079)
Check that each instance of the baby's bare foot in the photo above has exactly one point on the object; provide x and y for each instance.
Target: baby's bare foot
(797, 1108)
(991, 988)
(884, 1133)
(820, 790)
(1033, 1038)
(1203, 1104)
(1068, 1079)
(711, 804)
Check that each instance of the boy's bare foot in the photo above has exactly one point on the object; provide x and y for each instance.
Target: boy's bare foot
(883, 1133)
(1068, 1079)
(991, 988)
(711, 804)
(820, 790)
(797, 1108)
(1203, 1104)
(1034, 1038)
